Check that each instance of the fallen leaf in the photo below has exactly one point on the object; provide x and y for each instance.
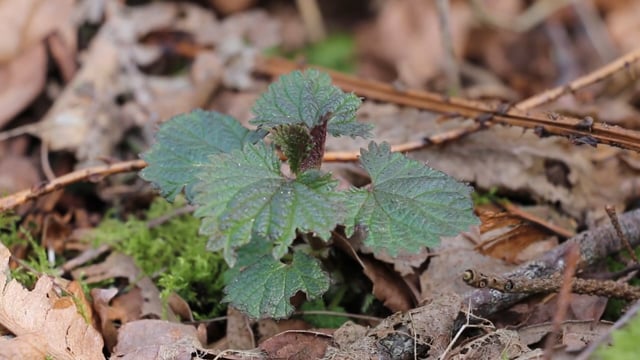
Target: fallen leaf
(118, 265)
(157, 339)
(22, 79)
(43, 326)
(407, 35)
(16, 173)
(297, 344)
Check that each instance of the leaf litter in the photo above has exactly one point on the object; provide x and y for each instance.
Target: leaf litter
(111, 95)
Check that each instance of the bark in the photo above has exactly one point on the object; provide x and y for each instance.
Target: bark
(594, 245)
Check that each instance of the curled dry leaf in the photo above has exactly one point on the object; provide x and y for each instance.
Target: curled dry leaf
(43, 323)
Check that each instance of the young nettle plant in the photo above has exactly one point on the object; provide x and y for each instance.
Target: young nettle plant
(253, 212)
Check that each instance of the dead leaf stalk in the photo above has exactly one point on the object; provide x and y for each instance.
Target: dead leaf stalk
(564, 300)
(613, 217)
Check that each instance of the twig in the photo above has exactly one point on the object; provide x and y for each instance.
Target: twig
(581, 82)
(594, 245)
(613, 217)
(564, 298)
(531, 17)
(337, 313)
(44, 160)
(595, 29)
(91, 173)
(550, 284)
(450, 60)
(467, 324)
(516, 211)
(312, 19)
(544, 124)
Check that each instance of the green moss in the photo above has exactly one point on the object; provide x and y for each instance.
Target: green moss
(624, 343)
(337, 51)
(11, 235)
(173, 254)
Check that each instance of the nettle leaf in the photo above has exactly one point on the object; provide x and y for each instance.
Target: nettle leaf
(264, 289)
(309, 98)
(295, 142)
(408, 205)
(183, 145)
(243, 195)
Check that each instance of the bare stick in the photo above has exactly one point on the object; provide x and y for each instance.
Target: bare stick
(312, 18)
(594, 245)
(544, 124)
(593, 77)
(564, 297)
(91, 173)
(613, 216)
(450, 61)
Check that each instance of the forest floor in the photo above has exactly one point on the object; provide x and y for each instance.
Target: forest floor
(536, 106)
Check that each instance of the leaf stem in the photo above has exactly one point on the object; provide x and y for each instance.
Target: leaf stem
(318, 138)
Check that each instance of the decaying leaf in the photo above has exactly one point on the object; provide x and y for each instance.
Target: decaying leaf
(157, 339)
(144, 298)
(43, 323)
(24, 25)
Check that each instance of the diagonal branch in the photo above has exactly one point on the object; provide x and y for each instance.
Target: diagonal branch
(544, 124)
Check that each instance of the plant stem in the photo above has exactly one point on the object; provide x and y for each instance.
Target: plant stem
(318, 138)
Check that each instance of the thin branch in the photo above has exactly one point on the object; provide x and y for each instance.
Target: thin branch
(337, 313)
(92, 173)
(613, 217)
(450, 60)
(544, 124)
(564, 299)
(594, 245)
(593, 77)
(531, 17)
(312, 19)
(516, 211)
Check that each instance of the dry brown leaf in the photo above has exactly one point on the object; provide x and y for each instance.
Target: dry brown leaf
(101, 299)
(27, 22)
(22, 80)
(624, 26)
(157, 339)
(239, 333)
(388, 286)
(453, 256)
(24, 25)
(43, 323)
(16, 173)
(297, 344)
(575, 333)
(407, 35)
(142, 301)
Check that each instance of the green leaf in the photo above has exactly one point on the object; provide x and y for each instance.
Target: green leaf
(295, 142)
(264, 289)
(408, 205)
(243, 194)
(183, 145)
(309, 98)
